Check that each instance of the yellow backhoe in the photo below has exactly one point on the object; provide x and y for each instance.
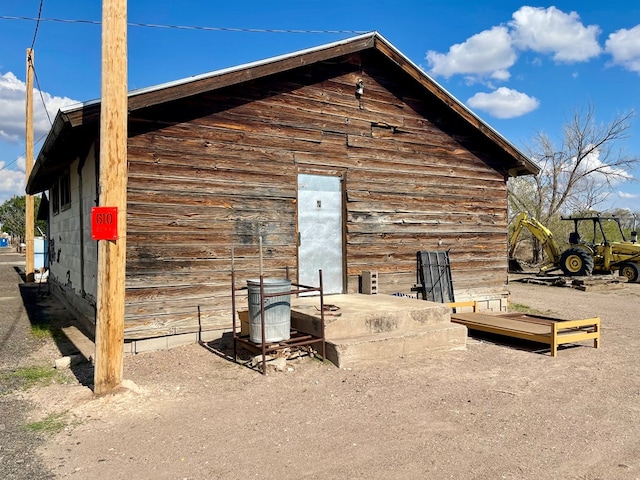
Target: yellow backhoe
(597, 255)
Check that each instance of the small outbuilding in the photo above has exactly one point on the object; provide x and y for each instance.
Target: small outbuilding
(346, 157)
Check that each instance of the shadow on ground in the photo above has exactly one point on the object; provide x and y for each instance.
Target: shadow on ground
(46, 313)
(277, 360)
(516, 343)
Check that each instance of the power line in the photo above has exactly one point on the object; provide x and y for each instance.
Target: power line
(40, 91)
(4, 167)
(35, 34)
(186, 27)
(33, 66)
(11, 163)
(149, 25)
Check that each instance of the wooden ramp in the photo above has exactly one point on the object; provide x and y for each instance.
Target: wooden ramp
(550, 331)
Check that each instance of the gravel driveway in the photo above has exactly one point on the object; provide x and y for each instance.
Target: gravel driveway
(18, 459)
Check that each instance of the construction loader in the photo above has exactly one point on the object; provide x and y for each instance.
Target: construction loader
(599, 254)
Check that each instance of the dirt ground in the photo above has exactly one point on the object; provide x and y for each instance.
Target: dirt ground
(492, 411)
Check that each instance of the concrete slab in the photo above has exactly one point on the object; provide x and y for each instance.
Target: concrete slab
(359, 314)
(369, 328)
(347, 353)
(364, 329)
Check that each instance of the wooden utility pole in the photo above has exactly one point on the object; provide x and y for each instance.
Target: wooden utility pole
(113, 193)
(28, 165)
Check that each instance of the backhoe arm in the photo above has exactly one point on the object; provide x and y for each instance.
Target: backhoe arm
(539, 231)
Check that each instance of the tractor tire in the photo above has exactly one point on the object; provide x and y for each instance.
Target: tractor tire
(630, 270)
(576, 262)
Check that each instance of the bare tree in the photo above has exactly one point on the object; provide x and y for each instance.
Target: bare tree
(578, 173)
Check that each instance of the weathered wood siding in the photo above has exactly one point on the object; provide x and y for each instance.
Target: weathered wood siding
(221, 168)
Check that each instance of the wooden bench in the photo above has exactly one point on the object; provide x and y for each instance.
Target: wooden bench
(535, 328)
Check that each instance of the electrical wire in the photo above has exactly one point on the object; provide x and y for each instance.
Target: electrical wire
(35, 34)
(33, 43)
(149, 25)
(152, 25)
(4, 167)
(40, 91)
(11, 163)
(185, 27)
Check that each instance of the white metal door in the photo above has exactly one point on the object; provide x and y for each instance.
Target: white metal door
(320, 231)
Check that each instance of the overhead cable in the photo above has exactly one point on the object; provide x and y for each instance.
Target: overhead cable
(35, 74)
(6, 166)
(35, 34)
(186, 27)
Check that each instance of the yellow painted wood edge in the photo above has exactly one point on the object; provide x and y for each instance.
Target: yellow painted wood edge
(469, 303)
(586, 322)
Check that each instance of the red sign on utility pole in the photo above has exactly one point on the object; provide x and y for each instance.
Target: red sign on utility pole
(104, 223)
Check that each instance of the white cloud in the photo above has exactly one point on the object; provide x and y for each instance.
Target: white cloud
(624, 47)
(629, 196)
(502, 75)
(601, 171)
(12, 109)
(485, 53)
(552, 31)
(12, 128)
(12, 182)
(504, 103)
(490, 53)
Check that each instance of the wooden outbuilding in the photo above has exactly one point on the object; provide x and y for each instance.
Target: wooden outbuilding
(345, 157)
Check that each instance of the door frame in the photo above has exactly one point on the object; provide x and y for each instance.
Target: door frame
(328, 172)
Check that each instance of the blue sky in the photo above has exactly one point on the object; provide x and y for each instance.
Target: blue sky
(523, 67)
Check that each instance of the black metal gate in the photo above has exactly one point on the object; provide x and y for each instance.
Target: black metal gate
(434, 276)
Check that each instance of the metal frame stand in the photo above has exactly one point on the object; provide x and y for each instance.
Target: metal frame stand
(297, 339)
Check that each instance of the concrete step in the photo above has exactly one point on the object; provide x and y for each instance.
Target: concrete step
(359, 315)
(370, 349)
(370, 328)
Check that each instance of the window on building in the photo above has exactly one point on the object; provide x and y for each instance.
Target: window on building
(61, 193)
(65, 190)
(55, 198)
